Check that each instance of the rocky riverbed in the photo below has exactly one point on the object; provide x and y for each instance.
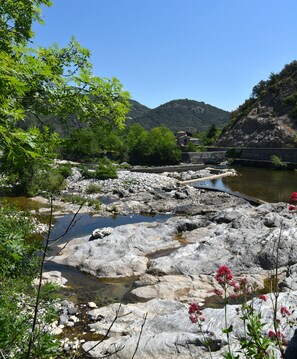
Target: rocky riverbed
(175, 263)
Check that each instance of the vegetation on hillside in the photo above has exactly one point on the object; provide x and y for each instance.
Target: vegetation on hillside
(188, 115)
(278, 92)
(136, 109)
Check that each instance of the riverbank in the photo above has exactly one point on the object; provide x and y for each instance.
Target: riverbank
(131, 192)
(174, 262)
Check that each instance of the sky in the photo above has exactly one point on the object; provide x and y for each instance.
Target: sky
(213, 51)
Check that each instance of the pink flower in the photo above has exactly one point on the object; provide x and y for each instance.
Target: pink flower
(195, 313)
(218, 292)
(285, 311)
(292, 208)
(293, 196)
(281, 337)
(263, 297)
(193, 318)
(235, 285)
(271, 334)
(223, 275)
(194, 308)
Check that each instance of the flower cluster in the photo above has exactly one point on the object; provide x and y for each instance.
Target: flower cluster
(284, 311)
(293, 201)
(223, 275)
(195, 313)
(279, 335)
(263, 297)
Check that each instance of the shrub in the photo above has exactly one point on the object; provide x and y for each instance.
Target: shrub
(104, 169)
(277, 162)
(93, 188)
(81, 200)
(19, 266)
(65, 170)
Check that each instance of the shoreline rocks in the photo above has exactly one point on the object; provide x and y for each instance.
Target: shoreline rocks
(175, 262)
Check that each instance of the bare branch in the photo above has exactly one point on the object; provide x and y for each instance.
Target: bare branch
(139, 337)
(32, 336)
(106, 335)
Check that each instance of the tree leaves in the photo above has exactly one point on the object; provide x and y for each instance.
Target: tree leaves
(45, 81)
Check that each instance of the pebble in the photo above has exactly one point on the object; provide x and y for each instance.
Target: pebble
(92, 305)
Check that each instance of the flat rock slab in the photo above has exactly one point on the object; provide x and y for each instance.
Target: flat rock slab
(168, 333)
(123, 253)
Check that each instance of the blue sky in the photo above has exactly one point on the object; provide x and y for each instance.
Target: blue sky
(206, 50)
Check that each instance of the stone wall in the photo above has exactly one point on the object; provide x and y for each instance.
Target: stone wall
(218, 154)
(264, 154)
(214, 157)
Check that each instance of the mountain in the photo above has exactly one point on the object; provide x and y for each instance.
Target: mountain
(268, 119)
(137, 109)
(177, 115)
(188, 115)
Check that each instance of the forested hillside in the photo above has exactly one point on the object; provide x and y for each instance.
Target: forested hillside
(269, 117)
(177, 115)
(188, 115)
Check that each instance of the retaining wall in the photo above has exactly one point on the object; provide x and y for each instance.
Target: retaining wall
(214, 157)
(218, 154)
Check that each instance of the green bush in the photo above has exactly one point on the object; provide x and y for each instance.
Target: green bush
(65, 170)
(17, 253)
(81, 200)
(104, 169)
(277, 162)
(19, 266)
(93, 188)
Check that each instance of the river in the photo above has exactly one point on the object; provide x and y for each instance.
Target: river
(265, 184)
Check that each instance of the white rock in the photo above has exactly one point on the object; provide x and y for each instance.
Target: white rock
(92, 305)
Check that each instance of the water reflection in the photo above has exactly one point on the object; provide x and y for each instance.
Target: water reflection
(265, 184)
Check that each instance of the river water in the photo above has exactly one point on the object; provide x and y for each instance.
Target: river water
(265, 184)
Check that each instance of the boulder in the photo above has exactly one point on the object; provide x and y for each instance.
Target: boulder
(167, 331)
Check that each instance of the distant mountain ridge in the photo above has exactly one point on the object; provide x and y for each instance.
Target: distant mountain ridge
(182, 114)
(187, 115)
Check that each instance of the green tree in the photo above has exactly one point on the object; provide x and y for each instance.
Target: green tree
(16, 21)
(46, 81)
(155, 147)
(211, 135)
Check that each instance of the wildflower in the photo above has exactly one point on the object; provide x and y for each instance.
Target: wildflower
(293, 197)
(193, 318)
(223, 275)
(218, 292)
(292, 208)
(281, 337)
(271, 334)
(235, 285)
(194, 308)
(263, 297)
(285, 311)
(195, 314)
